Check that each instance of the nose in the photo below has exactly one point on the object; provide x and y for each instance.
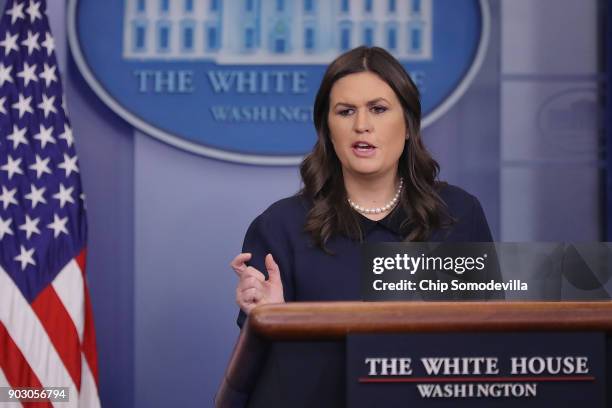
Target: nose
(362, 124)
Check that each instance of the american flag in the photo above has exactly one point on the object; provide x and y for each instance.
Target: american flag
(46, 327)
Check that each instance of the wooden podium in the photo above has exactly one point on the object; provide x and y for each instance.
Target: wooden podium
(309, 337)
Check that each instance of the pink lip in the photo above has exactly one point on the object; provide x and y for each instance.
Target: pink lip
(360, 152)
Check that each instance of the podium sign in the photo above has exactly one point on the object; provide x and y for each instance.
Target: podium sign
(476, 370)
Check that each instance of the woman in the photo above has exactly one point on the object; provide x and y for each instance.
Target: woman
(369, 178)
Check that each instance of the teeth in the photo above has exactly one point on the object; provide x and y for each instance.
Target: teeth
(363, 146)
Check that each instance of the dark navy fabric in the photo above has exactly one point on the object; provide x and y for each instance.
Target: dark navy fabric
(310, 274)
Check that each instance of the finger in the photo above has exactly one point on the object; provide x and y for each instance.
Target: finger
(247, 304)
(250, 283)
(253, 272)
(273, 269)
(247, 308)
(238, 263)
(248, 300)
(252, 295)
(239, 296)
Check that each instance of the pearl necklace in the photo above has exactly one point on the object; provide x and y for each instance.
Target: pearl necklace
(378, 210)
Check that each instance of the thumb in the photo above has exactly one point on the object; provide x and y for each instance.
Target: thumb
(273, 270)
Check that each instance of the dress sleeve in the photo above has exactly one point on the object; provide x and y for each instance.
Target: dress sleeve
(264, 236)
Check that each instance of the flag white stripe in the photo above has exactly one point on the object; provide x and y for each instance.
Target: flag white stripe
(89, 390)
(30, 336)
(4, 383)
(68, 285)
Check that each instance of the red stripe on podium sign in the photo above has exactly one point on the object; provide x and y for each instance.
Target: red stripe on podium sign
(476, 379)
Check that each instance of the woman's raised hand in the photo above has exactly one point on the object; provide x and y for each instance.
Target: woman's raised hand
(253, 288)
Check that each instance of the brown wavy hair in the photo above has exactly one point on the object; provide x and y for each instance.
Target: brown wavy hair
(321, 170)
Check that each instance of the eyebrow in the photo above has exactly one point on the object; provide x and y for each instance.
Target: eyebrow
(369, 103)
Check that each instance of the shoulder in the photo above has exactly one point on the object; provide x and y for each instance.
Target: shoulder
(287, 208)
(294, 204)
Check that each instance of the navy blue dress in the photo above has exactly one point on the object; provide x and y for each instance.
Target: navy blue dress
(310, 274)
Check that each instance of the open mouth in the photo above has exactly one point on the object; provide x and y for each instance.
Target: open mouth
(363, 146)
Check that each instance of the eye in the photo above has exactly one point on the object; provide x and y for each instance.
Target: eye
(379, 109)
(346, 112)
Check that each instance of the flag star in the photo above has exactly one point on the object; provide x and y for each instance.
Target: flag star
(67, 135)
(16, 12)
(23, 105)
(28, 73)
(12, 167)
(48, 74)
(45, 136)
(64, 105)
(9, 43)
(8, 197)
(30, 226)
(25, 257)
(5, 74)
(5, 227)
(18, 136)
(31, 42)
(49, 43)
(69, 165)
(47, 105)
(36, 195)
(34, 11)
(58, 225)
(2, 108)
(41, 166)
(64, 195)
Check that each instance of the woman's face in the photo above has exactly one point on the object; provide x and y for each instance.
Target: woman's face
(366, 124)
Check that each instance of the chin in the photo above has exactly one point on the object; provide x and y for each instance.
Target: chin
(366, 170)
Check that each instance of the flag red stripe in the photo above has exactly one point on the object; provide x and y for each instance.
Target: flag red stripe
(89, 333)
(89, 338)
(61, 330)
(16, 368)
(81, 259)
